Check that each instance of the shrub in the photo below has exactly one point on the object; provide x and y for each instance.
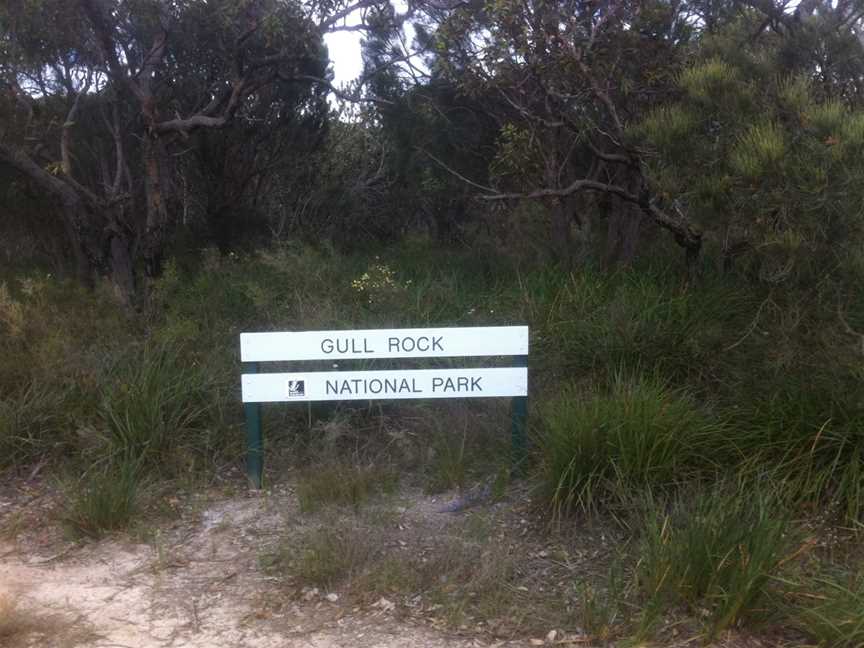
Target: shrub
(591, 322)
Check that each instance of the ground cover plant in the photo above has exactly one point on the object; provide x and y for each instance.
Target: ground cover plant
(683, 463)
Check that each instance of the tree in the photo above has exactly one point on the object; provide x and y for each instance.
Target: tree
(572, 80)
(761, 151)
(132, 83)
(567, 76)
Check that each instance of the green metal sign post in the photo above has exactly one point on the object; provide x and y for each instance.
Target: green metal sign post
(254, 435)
(519, 420)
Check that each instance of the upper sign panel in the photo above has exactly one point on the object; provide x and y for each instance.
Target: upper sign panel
(385, 343)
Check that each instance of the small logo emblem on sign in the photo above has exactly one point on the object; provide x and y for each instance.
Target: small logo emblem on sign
(296, 388)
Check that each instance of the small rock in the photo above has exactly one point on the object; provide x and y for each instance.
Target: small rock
(332, 597)
(384, 605)
(552, 636)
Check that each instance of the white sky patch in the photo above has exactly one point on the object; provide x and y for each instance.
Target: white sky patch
(344, 48)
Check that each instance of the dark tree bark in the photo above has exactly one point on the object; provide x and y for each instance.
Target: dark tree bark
(156, 223)
(624, 222)
(563, 245)
(96, 240)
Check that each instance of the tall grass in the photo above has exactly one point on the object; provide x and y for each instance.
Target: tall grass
(34, 424)
(155, 402)
(594, 323)
(714, 551)
(837, 616)
(812, 436)
(600, 445)
(105, 499)
(343, 484)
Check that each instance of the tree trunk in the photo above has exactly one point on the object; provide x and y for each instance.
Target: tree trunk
(624, 223)
(156, 223)
(86, 222)
(122, 270)
(84, 271)
(562, 232)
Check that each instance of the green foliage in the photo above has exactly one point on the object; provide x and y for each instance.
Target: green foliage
(758, 151)
(153, 404)
(837, 616)
(599, 446)
(811, 432)
(34, 425)
(669, 128)
(756, 154)
(709, 82)
(715, 551)
(596, 323)
(56, 332)
(106, 499)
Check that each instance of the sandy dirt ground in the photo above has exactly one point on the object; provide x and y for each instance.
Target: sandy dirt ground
(194, 585)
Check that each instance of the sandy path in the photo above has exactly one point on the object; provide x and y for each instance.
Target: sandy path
(199, 588)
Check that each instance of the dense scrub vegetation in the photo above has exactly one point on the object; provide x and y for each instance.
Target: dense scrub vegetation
(669, 193)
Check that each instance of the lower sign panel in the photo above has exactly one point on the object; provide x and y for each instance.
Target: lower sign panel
(383, 385)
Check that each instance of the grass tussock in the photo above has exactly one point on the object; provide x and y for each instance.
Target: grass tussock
(104, 500)
(463, 445)
(812, 436)
(154, 402)
(832, 614)
(600, 445)
(715, 554)
(34, 425)
(328, 556)
(601, 612)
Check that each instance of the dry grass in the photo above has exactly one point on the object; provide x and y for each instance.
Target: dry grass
(343, 484)
(22, 627)
(457, 572)
(16, 624)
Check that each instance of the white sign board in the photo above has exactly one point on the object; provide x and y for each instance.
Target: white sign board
(384, 343)
(372, 385)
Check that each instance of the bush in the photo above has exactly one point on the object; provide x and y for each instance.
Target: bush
(599, 445)
(595, 323)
